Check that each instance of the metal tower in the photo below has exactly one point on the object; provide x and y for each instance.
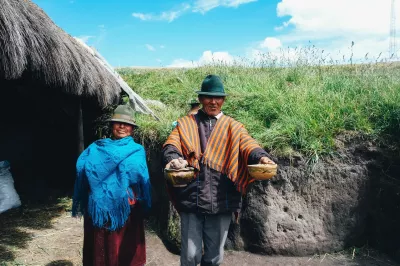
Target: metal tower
(393, 41)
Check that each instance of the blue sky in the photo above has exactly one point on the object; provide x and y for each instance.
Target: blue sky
(184, 32)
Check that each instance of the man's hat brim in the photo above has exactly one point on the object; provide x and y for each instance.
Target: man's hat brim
(211, 93)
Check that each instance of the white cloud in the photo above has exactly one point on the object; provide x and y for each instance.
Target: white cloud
(165, 15)
(271, 43)
(142, 16)
(93, 40)
(203, 6)
(162, 46)
(182, 63)
(337, 17)
(150, 47)
(332, 25)
(207, 58)
(84, 38)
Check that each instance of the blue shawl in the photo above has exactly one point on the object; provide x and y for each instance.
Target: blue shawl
(109, 172)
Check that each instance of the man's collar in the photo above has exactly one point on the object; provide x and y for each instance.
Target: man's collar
(218, 116)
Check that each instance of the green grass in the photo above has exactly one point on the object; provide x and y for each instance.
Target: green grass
(301, 108)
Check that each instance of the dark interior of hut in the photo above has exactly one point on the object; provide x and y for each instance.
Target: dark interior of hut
(39, 136)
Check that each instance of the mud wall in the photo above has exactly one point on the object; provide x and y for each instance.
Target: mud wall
(349, 199)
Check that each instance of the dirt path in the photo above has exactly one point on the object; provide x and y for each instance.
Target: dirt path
(60, 243)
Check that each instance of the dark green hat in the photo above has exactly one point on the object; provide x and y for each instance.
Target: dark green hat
(124, 114)
(212, 86)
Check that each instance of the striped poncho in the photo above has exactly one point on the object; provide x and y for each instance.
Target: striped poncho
(227, 150)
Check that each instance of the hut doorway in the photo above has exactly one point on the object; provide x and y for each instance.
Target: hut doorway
(39, 136)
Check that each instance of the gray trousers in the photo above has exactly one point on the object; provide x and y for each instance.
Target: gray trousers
(197, 229)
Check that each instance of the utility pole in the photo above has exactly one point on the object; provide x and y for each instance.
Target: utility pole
(393, 40)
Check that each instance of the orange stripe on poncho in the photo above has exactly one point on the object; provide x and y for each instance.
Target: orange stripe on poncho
(227, 150)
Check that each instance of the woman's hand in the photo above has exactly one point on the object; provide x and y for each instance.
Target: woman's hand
(266, 160)
(177, 163)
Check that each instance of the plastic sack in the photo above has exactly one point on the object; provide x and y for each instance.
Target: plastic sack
(8, 195)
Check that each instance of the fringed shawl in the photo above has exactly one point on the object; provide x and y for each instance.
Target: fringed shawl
(110, 173)
(227, 150)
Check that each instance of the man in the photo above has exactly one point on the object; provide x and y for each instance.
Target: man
(219, 148)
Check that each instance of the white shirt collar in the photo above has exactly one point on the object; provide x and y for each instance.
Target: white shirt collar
(219, 115)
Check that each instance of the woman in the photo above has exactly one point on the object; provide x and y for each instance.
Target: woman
(112, 189)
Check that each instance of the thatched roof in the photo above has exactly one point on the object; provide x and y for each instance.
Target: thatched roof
(31, 43)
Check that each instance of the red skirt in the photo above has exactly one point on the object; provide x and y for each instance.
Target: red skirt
(124, 247)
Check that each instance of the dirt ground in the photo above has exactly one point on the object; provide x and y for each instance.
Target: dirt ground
(48, 235)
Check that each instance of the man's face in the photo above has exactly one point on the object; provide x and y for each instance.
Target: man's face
(211, 104)
(121, 130)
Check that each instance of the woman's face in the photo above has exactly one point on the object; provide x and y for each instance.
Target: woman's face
(121, 130)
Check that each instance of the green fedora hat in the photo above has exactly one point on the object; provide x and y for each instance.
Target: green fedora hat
(124, 114)
(212, 86)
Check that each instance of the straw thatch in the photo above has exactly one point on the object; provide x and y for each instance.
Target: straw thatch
(31, 44)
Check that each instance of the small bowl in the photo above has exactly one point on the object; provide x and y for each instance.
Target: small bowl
(179, 177)
(262, 171)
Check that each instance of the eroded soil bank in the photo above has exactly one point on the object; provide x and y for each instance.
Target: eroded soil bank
(351, 198)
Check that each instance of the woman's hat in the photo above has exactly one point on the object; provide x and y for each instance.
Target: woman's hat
(193, 103)
(212, 86)
(124, 114)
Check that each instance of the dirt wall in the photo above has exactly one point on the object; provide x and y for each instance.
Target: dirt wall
(351, 198)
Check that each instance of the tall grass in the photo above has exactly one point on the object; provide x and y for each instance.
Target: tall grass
(296, 108)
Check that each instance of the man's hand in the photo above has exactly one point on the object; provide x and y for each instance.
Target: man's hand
(177, 163)
(266, 160)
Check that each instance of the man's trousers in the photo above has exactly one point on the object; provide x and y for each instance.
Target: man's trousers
(211, 230)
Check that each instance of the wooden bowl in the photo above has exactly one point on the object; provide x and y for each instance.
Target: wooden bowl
(179, 177)
(262, 171)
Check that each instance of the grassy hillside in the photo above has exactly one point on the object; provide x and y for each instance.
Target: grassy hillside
(294, 109)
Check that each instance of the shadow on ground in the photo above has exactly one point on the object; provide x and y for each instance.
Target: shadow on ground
(60, 263)
(152, 226)
(16, 223)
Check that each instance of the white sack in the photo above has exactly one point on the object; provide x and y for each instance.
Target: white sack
(8, 195)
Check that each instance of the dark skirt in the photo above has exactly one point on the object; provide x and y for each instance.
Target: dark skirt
(124, 247)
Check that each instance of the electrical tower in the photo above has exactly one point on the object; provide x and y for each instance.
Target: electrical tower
(393, 40)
